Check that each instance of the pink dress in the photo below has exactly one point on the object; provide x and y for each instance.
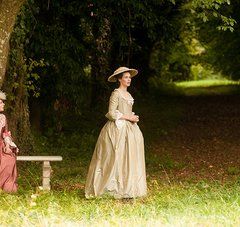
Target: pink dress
(8, 169)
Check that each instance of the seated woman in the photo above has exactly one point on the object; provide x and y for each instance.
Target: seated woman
(8, 151)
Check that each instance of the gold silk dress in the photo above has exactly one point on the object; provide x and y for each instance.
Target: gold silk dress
(118, 162)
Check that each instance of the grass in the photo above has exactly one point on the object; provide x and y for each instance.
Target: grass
(202, 204)
(207, 83)
(170, 202)
(195, 88)
(208, 87)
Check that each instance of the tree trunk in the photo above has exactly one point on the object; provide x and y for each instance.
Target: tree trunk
(18, 110)
(18, 113)
(8, 14)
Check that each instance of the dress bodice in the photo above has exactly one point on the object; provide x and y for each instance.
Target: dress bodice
(119, 105)
(124, 104)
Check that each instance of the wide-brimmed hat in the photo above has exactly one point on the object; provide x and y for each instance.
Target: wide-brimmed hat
(113, 78)
(2, 95)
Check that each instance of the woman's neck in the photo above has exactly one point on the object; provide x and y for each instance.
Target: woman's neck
(122, 88)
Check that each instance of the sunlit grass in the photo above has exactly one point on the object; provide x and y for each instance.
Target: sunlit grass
(195, 87)
(186, 204)
(170, 202)
(206, 83)
(207, 87)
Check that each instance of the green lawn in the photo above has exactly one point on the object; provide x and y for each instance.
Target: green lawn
(186, 204)
(206, 83)
(170, 202)
(208, 87)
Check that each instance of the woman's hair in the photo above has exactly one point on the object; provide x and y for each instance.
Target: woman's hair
(119, 76)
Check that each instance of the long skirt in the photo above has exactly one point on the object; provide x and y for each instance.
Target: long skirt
(118, 163)
(8, 170)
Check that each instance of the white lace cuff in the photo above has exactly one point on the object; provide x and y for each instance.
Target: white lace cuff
(119, 122)
(9, 141)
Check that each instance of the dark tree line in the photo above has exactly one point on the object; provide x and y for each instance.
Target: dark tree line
(63, 51)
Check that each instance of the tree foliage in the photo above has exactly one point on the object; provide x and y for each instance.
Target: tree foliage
(222, 47)
(67, 49)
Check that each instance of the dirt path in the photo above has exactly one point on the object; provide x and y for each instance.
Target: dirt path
(205, 143)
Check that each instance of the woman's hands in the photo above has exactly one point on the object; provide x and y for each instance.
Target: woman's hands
(133, 118)
(7, 149)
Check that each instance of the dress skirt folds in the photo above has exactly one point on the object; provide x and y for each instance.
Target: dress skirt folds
(8, 168)
(118, 163)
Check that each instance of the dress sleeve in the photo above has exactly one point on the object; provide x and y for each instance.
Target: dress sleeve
(2, 121)
(113, 112)
(6, 134)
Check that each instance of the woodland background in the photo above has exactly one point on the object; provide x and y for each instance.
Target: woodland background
(55, 58)
(61, 53)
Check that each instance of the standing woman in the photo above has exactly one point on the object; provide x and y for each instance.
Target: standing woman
(118, 163)
(8, 151)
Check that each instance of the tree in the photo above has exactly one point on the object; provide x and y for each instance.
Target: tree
(8, 14)
(83, 41)
(223, 44)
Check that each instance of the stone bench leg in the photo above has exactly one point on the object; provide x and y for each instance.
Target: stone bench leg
(46, 175)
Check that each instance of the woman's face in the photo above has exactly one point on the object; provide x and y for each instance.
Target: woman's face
(125, 81)
(1, 105)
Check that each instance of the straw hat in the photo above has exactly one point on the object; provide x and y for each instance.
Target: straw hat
(113, 78)
(2, 95)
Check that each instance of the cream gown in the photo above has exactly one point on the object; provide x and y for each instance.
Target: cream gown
(118, 163)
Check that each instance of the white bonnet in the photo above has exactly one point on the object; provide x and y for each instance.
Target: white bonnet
(2, 95)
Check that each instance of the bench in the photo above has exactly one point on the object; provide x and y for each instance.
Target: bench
(46, 174)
